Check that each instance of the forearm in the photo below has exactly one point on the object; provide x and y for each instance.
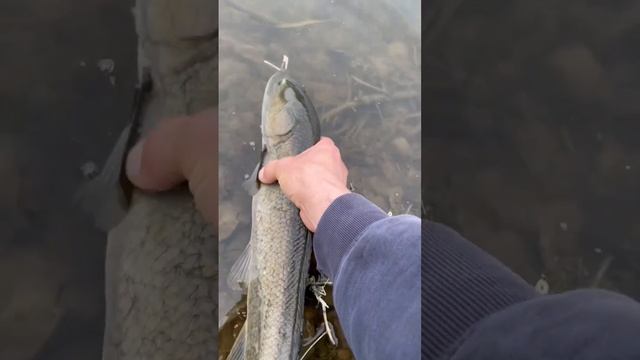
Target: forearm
(374, 262)
(476, 308)
(473, 307)
(461, 285)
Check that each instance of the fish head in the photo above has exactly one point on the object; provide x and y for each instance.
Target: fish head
(286, 106)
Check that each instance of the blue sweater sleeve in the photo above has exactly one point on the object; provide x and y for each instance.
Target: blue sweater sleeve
(476, 308)
(473, 307)
(374, 262)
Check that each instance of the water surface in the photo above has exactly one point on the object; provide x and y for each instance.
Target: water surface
(360, 65)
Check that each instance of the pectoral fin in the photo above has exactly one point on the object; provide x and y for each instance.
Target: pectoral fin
(104, 197)
(252, 184)
(242, 270)
(107, 196)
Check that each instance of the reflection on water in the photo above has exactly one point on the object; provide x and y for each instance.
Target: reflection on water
(531, 145)
(360, 63)
(59, 111)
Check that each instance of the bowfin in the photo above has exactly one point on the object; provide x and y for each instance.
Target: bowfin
(237, 350)
(242, 270)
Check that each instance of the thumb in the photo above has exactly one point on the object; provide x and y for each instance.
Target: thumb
(269, 173)
(168, 155)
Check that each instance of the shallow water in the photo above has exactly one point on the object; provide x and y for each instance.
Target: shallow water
(531, 136)
(359, 51)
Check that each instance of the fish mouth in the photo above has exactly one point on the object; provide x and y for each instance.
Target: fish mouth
(276, 93)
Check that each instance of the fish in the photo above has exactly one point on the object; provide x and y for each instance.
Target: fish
(161, 259)
(273, 268)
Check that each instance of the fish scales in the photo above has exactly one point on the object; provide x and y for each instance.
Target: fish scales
(280, 245)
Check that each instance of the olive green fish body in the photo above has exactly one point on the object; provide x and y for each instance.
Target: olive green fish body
(280, 245)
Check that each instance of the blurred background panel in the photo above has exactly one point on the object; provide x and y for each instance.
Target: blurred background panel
(531, 132)
(67, 71)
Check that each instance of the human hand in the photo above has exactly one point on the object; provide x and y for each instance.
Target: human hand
(179, 149)
(311, 179)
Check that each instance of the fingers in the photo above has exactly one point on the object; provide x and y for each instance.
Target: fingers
(170, 154)
(269, 173)
(325, 141)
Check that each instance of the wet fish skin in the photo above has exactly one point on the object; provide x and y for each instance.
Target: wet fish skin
(160, 281)
(280, 246)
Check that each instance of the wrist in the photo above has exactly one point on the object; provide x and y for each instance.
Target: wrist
(340, 227)
(320, 203)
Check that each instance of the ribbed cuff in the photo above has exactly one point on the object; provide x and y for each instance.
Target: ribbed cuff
(461, 285)
(339, 228)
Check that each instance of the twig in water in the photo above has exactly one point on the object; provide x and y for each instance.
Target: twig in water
(366, 100)
(379, 111)
(362, 82)
(603, 269)
(302, 23)
(409, 208)
(268, 21)
(251, 14)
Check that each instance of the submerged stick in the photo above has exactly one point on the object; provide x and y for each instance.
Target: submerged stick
(303, 23)
(274, 23)
(603, 270)
(366, 100)
(362, 82)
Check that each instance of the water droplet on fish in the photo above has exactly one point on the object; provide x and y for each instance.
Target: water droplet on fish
(390, 213)
(252, 144)
(246, 176)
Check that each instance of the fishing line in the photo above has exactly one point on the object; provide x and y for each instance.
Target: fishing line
(317, 288)
(282, 67)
